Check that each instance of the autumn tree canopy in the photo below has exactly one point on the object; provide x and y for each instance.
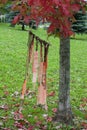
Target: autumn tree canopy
(60, 13)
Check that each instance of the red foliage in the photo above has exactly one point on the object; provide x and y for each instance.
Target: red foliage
(16, 19)
(60, 13)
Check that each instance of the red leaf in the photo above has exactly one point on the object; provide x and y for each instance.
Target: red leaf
(18, 125)
(54, 110)
(26, 19)
(56, 2)
(16, 19)
(75, 7)
(56, 12)
(18, 115)
(31, 128)
(31, 2)
(84, 125)
(38, 123)
(49, 119)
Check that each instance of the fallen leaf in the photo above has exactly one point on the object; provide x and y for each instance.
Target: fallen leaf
(54, 110)
(84, 99)
(30, 128)
(82, 105)
(19, 125)
(51, 93)
(17, 105)
(49, 119)
(4, 107)
(18, 115)
(84, 125)
(6, 93)
(38, 123)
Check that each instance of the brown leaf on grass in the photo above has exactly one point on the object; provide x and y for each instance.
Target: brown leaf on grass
(51, 93)
(30, 128)
(19, 125)
(21, 122)
(84, 100)
(38, 123)
(4, 107)
(83, 105)
(84, 125)
(49, 119)
(18, 115)
(30, 93)
(54, 110)
(17, 105)
(50, 79)
(6, 93)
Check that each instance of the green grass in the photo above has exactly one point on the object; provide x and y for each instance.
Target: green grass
(13, 52)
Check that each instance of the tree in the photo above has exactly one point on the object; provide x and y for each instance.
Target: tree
(60, 14)
(79, 26)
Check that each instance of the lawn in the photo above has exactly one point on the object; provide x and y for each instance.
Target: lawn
(13, 53)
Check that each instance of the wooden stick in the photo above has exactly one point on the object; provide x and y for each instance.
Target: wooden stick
(23, 89)
(40, 40)
(30, 46)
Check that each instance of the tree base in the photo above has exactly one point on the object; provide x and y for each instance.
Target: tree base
(65, 117)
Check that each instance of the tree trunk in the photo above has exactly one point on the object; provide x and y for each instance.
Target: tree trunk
(23, 26)
(64, 113)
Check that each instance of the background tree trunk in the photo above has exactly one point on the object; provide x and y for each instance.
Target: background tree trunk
(64, 113)
(23, 26)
